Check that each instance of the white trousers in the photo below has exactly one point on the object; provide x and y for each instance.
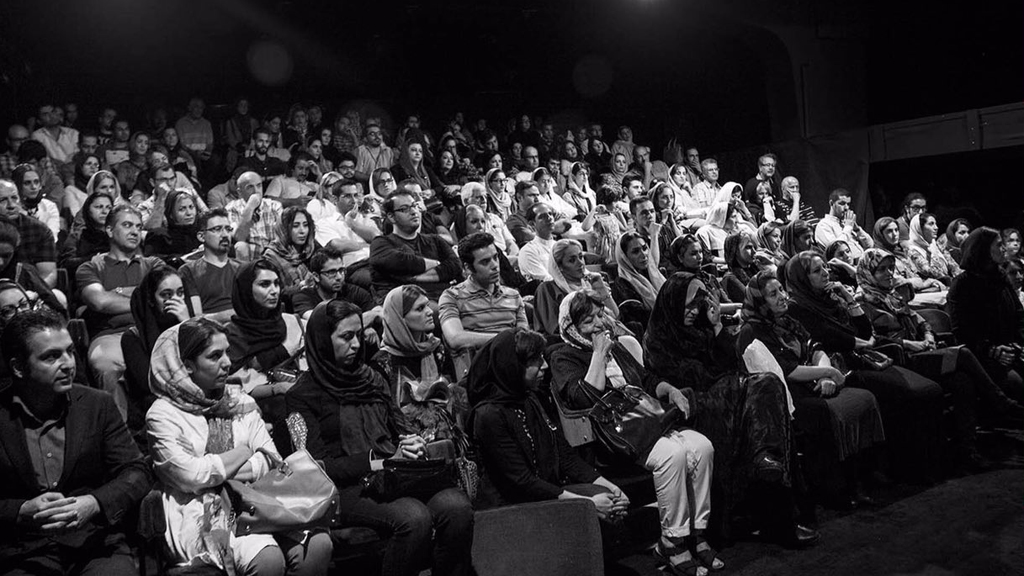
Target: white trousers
(677, 457)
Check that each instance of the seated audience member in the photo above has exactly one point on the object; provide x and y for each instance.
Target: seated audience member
(292, 188)
(14, 268)
(955, 368)
(412, 166)
(579, 194)
(956, 233)
(30, 187)
(263, 337)
(840, 263)
(658, 229)
(38, 244)
(607, 225)
(524, 453)
(105, 183)
(841, 224)
(330, 282)
(681, 184)
(34, 153)
(60, 142)
(16, 136)
(323, 205)
(180, 235)
(203, 432)
(747, 419)
(210, 279)
(430, 222)
(292, 248)
(350, 231)
(534, 257)
(551, 195)
(474, 194)
(407, 256)
(221, 194)
(106, 283)
(616, 172)
(1011, 243)
(410, 350)
(474, 310)
(912, 205)
(987, 316)
(65, 514)
(721, 222)
(886, 237)
(130, 170)
(790, 208)
(115, 148)
(688, 257)
(264, 164)
(797, 237)
(705, 191)
(1015, 274)
(732, 193)
(740, 259)
(354, 424)
(499, 200)
(92, 239)
(254, 219)
(568, 273)
(911, 404)
(527, 194)
(381, 184)
(769, 252)
(835, 422)
(157, 304)
(925, 253)
(639, 279)
(471, 220)
(583, 367)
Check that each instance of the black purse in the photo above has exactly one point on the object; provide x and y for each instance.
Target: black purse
(627, 421)
(419, 479)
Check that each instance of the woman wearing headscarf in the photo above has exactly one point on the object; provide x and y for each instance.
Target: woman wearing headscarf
(409, 348)
(925, 253)
(412, 165)
(840, 263)
(721, 222)
(28, 179)
(769, 246)
(203, 432)
(686, 213)
(639, 278)
(834, 422)
(616, 172)
(688, 257)
(85, 167)
(179, 236)
(262, 336)
(353, 425)
(732, 193)
(499, 201)
(589, 362)
(987, 316)
(579, 194)
(524, 453)
(955, 368)
(747, 419)
(911, 403)
(157, 303)
(797, 236)
(956, 233)
(92, 238)
(740, 258)
(886, 235)
(568, 274)
(474, 193)
(292, 248)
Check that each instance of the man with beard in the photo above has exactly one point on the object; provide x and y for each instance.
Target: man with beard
(116, 149)
(261, 162)
(209, 280)
(373, 154)
(328, 271)
(61, 142)
(107, 281)
(254, 219)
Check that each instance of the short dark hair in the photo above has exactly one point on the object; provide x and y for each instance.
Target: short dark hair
(14, 340)
(407, 186)
(294, 160)
(606, 195)
(906, 199)
(159, 168)
(634, 204)
(629, 178)
(531, 212)
(321, 256)
(205, 217)
(31, 151)
(347, 156)
(261, 130)
(837, 193)
(471, 243)
(118, 210)
(522, 187)
(389, 203)
(195, 335)
(82, 135)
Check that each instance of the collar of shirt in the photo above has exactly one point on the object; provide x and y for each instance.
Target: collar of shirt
(36, 421)
(137, 257)
(475, 286)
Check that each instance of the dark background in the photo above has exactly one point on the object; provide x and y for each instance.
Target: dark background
(667, 67)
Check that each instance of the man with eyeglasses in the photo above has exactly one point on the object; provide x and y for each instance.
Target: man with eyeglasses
(373, 154)
(407, 256)
(209, 279)
(329, 272)
(766, 172)
(913, 204)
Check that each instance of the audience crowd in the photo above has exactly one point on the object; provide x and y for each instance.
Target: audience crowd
(174, 292)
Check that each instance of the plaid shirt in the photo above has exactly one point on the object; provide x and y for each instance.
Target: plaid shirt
(8, 160)
(264, 221)
(37, 242)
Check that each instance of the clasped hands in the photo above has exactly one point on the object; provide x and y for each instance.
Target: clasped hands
(53, 513)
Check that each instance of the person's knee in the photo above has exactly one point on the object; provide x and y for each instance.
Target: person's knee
(453, 508)
(312, 557)
(269, 562)
(412, 518)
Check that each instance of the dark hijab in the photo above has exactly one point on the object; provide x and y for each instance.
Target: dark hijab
(782, 331)
(790, 233)
(880, 242)
(798, 283)
(149, 321)
(977, 255)
(733, 245)
(81, 181)
(93, 238)
(174, 239)
(680, 353)
(255, 331)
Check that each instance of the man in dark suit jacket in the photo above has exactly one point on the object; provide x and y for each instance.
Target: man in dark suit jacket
(70, 470)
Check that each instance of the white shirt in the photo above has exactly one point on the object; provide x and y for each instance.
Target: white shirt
(830, 229)
(321, 209)
(336, 227)
(63, 147)
(47, 213)
(534, 257)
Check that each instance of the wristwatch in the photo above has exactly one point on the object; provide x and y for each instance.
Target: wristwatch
(119, 290)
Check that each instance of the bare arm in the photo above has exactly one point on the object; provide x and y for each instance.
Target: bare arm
(48, 271)
(107, 302)
(459, 338)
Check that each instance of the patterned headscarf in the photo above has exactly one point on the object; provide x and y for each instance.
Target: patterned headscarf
(647, 286)
(399, 340)
(787, 330)
(868, 288)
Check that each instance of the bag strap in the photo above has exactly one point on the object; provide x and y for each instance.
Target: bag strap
(295, 356)
(275, 461)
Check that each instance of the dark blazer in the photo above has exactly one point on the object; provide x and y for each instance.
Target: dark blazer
(100, 458)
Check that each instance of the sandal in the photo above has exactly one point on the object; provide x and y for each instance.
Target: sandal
(678, 561)
(706, 554)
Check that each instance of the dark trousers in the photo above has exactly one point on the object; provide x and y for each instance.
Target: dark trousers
(408, 522)
(56, 560)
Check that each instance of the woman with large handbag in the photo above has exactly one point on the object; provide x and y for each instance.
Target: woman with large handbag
(599, 373)
(385, 475)
(204, 433)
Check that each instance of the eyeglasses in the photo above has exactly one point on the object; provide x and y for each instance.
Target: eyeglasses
(10, 310)
(332, 272)
(387, 180)
(407, 209)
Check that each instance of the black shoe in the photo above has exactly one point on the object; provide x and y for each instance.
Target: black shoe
(796, 538)
(769, 470)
